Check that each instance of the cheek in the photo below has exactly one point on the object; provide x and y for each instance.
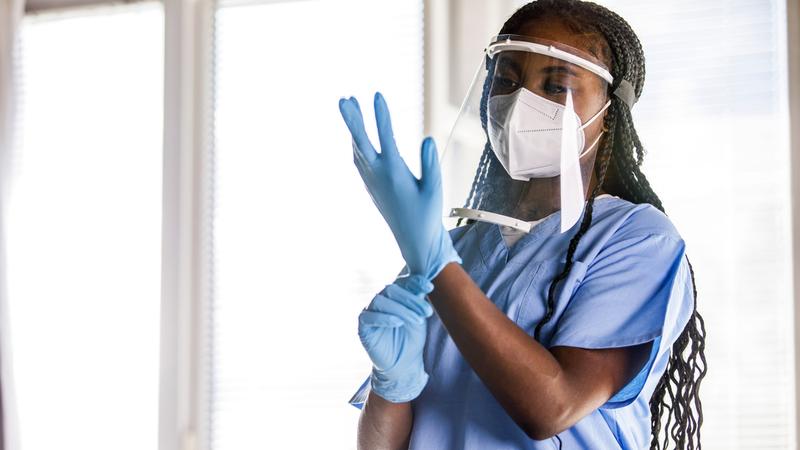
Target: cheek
(586, 113)
(594, 129)
(588, 103)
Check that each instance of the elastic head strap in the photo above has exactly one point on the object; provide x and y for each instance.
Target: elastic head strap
(626, 93)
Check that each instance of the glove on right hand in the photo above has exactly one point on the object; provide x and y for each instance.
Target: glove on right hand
(393, 329)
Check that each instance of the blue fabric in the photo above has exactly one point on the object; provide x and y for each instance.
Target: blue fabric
(630, 285)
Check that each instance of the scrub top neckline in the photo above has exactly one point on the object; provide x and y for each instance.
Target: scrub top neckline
(494, 244)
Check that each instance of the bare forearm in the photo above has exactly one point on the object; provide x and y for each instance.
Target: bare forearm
(538, 391)
(384, 425)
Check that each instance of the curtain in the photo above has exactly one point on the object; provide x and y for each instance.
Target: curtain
(11, 13)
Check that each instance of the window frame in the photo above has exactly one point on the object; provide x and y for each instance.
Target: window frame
(186, 233)
(187, 198)
(793, 89)
(186, 208)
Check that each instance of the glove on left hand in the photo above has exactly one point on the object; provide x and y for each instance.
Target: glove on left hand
(411, 207)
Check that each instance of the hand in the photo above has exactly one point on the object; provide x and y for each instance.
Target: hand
(411, 207)
(392, 330)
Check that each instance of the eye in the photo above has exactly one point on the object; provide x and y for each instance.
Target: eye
(554, 88)
(505, 84)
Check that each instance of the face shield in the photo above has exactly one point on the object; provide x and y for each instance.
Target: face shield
(524, 143)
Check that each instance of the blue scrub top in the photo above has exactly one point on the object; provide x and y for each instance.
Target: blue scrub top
(630, 284)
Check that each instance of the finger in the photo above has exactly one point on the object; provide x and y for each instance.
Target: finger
(376, 319)
(416, 303)
(363, 166)
(351, 113)
(385, 133)
(385, 304)
(431, 172)
(363, 160)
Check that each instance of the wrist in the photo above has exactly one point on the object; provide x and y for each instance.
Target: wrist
(399, 388)
(415, 284)
(438, 254)
(446, 254)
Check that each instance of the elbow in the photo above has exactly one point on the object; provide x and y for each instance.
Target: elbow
(544, 426)
(540, 432)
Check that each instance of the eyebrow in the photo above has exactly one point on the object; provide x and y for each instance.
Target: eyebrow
(510, 62)
(559, 69)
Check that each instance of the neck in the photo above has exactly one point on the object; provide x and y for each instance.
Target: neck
(540, 197)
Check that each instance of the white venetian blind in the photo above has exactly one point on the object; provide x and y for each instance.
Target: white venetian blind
(298, 248)
(713, 119)
(84, 244)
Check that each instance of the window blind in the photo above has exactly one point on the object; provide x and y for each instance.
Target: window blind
(299, 249)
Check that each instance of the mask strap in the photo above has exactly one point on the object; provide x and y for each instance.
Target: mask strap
(589, 122)
(592, 146)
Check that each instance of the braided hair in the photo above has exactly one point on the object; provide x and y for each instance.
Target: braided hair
(676, 410)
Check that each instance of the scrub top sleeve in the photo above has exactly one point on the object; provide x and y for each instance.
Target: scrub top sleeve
(624, 300)
(360, 397)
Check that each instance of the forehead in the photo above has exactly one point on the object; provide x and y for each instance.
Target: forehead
(529, 64)
(555, 29)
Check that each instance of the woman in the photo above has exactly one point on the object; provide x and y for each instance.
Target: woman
(579, 336)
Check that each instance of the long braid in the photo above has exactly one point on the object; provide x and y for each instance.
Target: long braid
(604, 156)
(480, 174)
(675, 404)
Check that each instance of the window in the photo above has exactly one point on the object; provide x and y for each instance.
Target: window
(298, 248)
(84, 230)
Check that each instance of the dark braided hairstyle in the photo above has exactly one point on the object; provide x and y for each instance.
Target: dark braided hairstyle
(675, 405)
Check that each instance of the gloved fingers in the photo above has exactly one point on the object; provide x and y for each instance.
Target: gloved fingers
(351, 113)
(385, 304)
(416, 303)
(377, 319)
(431, 172)
(385, 133)
(379, 337)
(363, 166)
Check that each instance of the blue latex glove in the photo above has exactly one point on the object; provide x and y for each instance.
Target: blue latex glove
(411, 207)
(392, 329)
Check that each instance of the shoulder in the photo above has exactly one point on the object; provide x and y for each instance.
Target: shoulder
(630, 220)
(623, 229)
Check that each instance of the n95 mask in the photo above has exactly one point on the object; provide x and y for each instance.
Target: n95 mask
(525, 131)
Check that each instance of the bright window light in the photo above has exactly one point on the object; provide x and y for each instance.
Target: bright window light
(299, 247)
(84, 246)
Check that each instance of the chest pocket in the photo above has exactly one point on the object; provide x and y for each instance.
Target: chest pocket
(528, 296)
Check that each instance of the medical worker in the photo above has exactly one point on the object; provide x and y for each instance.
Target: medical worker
(559, 311)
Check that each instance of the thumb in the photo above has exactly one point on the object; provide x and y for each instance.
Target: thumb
(431, 172)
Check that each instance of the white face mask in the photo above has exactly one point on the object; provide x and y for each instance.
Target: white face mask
(525, 133)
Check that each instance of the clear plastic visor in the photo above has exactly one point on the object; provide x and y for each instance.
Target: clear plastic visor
(524, 143)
